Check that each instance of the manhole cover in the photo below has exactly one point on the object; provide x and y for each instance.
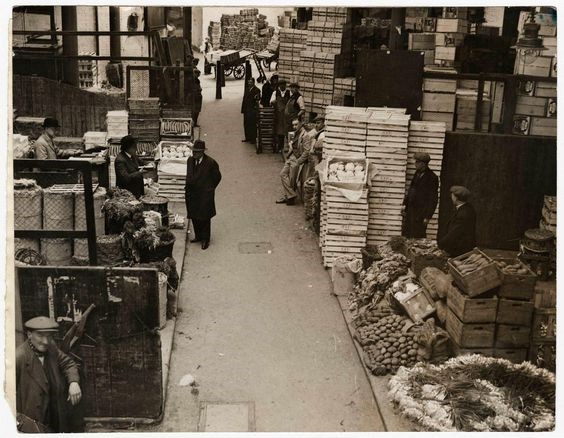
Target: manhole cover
(255, 247)
(227, 417)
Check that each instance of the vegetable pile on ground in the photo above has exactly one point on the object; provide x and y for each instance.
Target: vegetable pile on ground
(517, 268)
(476, 393)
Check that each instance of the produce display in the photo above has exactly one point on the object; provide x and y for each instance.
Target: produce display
(476, 393)
(424, 247)
(171, 149)
(517, 268)
(388, 344)
(471, 263)
(181, 127)
(343, 171)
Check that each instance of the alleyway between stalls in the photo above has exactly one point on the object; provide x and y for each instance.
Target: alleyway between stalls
(261, 328)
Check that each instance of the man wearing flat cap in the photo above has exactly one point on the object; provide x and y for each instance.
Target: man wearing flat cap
(295, 106)
(202, 178)
(460, 236)
(128, 174)
(47, 381)
(421, 198)
(44, 146)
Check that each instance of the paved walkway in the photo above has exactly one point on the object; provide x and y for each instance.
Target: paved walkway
(261, 328)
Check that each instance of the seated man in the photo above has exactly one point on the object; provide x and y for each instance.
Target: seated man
(287, 175)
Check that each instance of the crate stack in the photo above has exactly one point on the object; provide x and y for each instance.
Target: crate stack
(535, 110)
(265, 129)
(472, 305)
(247, 30)
(543, 339)
(544, 65)
(439, 98)
(285, 21)
(423, 42)
(451, 29)
(345, 132)
(117, 124)
(415, 19)
(387, 150)
(214, 34)
(144, 118)
(344, 225)
(292, 43)
(87, 71)
(426, 137)
(94, 139)
(548, 220)
(467, 105)
(344, 91)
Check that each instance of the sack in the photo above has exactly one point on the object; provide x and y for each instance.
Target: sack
(343, 274)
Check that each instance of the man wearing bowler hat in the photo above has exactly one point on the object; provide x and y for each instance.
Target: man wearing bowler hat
(129, 176)
(421, 198)
(460, 236)
(47, 381)
(44, 146)
(202, 177)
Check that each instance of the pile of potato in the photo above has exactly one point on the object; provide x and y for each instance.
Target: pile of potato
(517, 268)
(471, 263)
(386, 345)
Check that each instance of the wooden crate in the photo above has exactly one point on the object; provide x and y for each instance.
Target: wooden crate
(421, 41)
(545, 126)
(515, 312)
(451, 39)
(439, 85)
(544, 325)
(517, 286)
(531, 106)
(515, 355)
(439, 102)
(472, 310)
(478, 281)
(512, 336)
(470, 335)
(445, 54)
(461, 351)
(455, 25)
(545, 295)
(418, 305)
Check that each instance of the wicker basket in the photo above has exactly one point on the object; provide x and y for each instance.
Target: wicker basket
(29, 257)
(110, 250)
(58, 210)
(158, 204)
(80, 210)
(28, 209)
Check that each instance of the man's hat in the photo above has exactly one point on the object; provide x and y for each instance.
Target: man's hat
(50, 122)
(460, 192)
(319, 118)
(199, 145)
(422, 156)
(42, 324)
(127, 141)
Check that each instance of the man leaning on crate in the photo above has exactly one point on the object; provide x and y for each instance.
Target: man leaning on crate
(460, 237)
(44, 146)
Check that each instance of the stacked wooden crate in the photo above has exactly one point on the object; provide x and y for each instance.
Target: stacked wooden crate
(423, 42)
(172, 170)
(535, 110)
(386, 149)
(265, 129)
(451, 30)
(344, 91)
(117, 124)
(544, 65)
(344, 226)
(428, 137)
(439, 98)
(548, 220)
(214, 34)
(292, 43)
(345, 132)
(144, 118)
(415, 19)
(87, 71)
(467, 105)
(94, 139)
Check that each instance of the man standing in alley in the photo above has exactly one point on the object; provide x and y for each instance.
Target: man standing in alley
(47, 381)
(288, 173)
(460, 236)
(421, 198)
(44, 146)
(198, 98)
(267, 90)
(249, 108)
(202, 178)
(278, 101)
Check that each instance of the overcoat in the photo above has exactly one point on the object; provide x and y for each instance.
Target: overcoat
(250, 101)
(460, 237)
(201, 181)
(422, 195)
(45, 149)
(32, 387)
(280, 101)
(128, 176)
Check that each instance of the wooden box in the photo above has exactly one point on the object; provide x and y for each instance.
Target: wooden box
(515, 312)
(516, 286)
(449, 39)
(417, 305)
(446, 118)
(453, 12)
(544, 325)
(452, 25)
(461, 351)
(531, 106)
(445, 53)
(421, 41)
(472, 310)
(515, 355)
(541, 66)
(439, 102)
(439, 85)
(545, 126)
(512, 336)
(470, 335)
(478, 281)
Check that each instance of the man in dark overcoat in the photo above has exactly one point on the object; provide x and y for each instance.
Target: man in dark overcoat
(47, 381)
(267, 90)
(421, 198)
(128, 175)
(249, 109)
(460, 236)
(202, 177)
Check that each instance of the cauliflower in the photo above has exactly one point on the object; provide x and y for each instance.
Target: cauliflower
(349, 167)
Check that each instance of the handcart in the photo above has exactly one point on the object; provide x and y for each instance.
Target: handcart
(267, 58)
(233, 61)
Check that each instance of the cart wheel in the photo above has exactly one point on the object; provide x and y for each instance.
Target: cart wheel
(239, 72)
(228, 71)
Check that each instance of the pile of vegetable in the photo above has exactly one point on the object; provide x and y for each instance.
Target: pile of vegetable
(342, 171)
(171, 149)
(471, 263)
(517, 268)
(374, 282)
(388, 343)
(476, 393)
(121, 205)
(424, 247)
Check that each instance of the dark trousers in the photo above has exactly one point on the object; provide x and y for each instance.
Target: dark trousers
(202, 229)
(195, 116)
(250, 124)
(413, 227)
(280, 142)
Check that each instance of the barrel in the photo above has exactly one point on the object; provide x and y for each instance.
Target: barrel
(109, 250)
(58, 210)
(158, 204)
(57, 252)
(28, 204)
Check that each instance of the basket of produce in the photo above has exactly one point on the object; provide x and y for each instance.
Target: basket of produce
(346, 170)
(474, 272)
(176, 127)
(517, 279)
(425, 253)
(537, 240)
(474, 393)
(158, 204)
(120, 208)
(154, 246)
